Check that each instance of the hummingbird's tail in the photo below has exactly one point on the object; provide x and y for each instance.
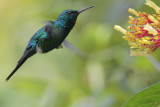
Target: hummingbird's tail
(20, 62)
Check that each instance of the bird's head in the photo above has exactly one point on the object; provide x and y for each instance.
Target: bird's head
(70, 16)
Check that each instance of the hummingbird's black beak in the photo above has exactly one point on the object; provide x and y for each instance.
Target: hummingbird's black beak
(85, 9)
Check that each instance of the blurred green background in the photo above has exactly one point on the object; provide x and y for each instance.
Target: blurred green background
(62, 78)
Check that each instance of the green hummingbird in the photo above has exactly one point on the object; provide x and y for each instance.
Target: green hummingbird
(50, 36)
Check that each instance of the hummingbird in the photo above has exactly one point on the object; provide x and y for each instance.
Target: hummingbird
(50, 36)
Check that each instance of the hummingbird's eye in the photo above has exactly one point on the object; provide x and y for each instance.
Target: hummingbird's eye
(69, 12)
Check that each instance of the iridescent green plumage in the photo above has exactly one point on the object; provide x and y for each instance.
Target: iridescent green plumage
(50, 36)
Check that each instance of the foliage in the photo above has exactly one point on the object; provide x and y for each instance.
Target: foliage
(148, 97)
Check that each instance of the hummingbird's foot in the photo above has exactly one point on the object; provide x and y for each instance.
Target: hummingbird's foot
(60, 46)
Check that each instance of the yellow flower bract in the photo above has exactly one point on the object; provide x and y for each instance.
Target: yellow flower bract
(153, 5)
(150, 29)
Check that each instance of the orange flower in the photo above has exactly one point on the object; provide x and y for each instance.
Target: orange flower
(144, 33)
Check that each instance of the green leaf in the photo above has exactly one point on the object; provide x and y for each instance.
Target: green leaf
(149, 97)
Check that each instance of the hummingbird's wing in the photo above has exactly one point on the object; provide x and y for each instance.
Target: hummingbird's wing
(51, 39)
(74, 49)
(48, 29)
